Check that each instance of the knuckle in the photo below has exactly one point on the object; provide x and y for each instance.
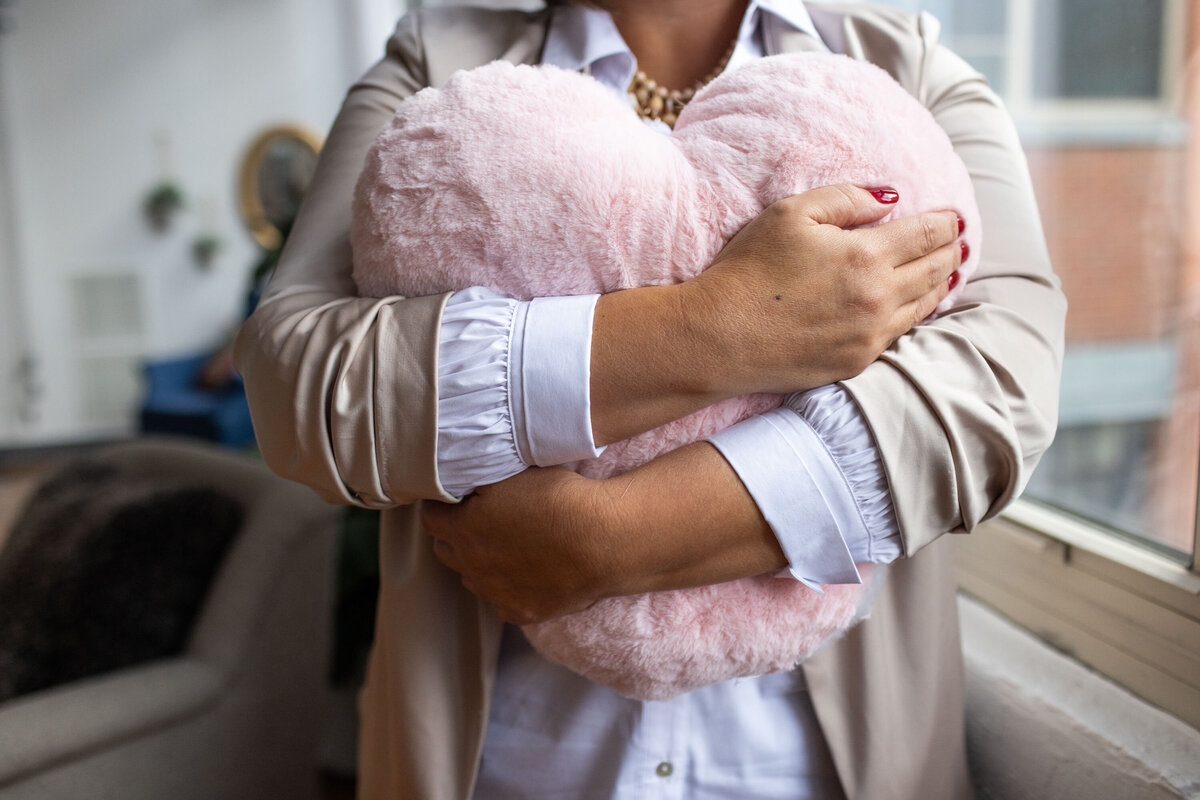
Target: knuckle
(921, 311)
(862, 254)
(788, 204)
(846, 193)
(779, 212)
(929, 233)
(873, 302)
(930, 303)
(934, 272)
(951, 218)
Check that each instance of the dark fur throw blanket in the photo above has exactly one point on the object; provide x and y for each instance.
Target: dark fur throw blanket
(103, 570)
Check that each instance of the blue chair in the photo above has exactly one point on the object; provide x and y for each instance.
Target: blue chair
(175, 403)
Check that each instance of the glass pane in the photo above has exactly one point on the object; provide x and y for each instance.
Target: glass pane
(974, 17)
(1124, 238)
(977, 30)
(1089, 49)
(992, 68)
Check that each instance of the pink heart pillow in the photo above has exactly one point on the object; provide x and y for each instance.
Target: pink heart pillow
(537, 182)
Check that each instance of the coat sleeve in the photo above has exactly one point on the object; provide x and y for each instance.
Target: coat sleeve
(963, 408)
(343, 389)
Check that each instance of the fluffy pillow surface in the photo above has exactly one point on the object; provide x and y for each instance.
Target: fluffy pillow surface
(536, 182)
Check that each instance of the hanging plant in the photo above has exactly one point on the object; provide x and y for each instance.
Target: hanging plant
(162, 203)
(205, 248)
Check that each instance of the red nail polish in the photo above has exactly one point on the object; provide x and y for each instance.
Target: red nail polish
(885, 194)
(966, 251)
(952, 281)
(961, 225)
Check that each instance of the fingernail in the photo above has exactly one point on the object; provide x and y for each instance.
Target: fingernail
(885, 194)
(953, 279)
(961, 225)
(966, 251)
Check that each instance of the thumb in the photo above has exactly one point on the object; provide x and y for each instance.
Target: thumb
(847, 206)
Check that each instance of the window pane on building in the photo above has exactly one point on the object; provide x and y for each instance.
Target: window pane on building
(1097, 49)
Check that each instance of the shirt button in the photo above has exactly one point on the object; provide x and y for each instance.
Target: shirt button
(664, 769)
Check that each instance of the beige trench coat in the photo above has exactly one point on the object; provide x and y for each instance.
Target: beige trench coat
(344, 398)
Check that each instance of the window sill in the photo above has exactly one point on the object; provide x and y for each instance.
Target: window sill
(1041, 725)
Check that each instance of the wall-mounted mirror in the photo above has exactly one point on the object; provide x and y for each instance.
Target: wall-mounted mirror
(274, 175)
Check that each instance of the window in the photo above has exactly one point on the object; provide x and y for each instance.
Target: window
(1117, 55)
(1099, 558)
(1117, 217)
(1076, 68)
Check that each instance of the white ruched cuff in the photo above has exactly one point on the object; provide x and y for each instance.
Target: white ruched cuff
(817, 477)
(840, 425)
(475, 444)
(513, 386)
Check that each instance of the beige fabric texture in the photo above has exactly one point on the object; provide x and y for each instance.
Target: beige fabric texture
(343, 394)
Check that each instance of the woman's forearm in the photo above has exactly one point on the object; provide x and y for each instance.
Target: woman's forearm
(549, 542)
(685, 519)
(648, 365)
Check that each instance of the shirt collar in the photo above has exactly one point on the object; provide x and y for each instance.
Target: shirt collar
(790, 12)
(581, 38)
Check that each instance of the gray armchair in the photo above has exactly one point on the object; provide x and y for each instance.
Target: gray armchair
(238, 714)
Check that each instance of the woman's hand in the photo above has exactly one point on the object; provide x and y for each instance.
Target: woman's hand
(548, 542)
(809, 297)
(535, 545)
(801, 297)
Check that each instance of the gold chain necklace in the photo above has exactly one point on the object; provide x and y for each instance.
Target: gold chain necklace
(652, 101)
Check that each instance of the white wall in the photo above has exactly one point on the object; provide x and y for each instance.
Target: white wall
(89, 86)
(364, 21)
